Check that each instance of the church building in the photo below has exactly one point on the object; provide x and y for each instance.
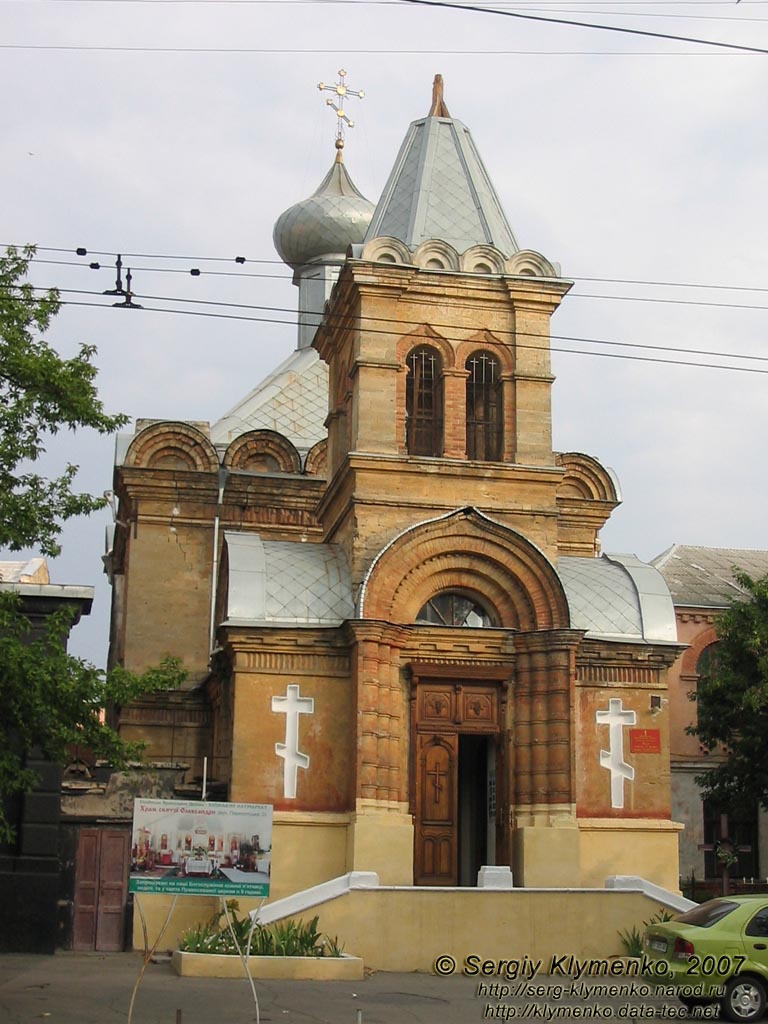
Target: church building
(385, 584)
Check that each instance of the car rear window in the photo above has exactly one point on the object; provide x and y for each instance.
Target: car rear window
(707, 914)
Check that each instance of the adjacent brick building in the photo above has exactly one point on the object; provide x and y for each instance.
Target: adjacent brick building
(702, 583)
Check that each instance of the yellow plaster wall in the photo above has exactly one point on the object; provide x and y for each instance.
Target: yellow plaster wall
(307, 849)
(381, 840)
(407, 929)
(630, 847)
(547, 856)
(188, 912)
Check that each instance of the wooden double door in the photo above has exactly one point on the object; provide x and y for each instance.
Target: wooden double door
(459, 788)
(101, 889)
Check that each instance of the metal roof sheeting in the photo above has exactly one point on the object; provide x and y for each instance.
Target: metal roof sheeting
(701, 577)
(439, 188)
(618, 597)
(275, 582)
(292, 400)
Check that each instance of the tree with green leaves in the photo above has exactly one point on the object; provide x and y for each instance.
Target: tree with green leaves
(50, 699)
(40, 393)
(732, 702)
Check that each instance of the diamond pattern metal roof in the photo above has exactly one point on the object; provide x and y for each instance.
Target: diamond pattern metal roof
(293, 400)
(618, 596)
(601, 597)
(439, 188)
(286, 582)
(703, 577)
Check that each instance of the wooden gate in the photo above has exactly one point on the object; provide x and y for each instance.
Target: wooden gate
(101, 889)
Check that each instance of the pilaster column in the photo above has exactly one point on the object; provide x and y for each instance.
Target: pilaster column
(455, 413)
(522, 782)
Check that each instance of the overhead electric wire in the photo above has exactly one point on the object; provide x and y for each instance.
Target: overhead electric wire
(341, 322)
(390, 3)
(572, 23)
(174, 270)
(279, 262)
(649, 14)
(553, 6)
(575, 294)
(551, 348)
(736, 51)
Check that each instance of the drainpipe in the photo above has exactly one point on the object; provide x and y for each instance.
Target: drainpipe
(223, 474)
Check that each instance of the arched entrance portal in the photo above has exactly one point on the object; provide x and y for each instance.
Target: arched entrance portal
(455, 610)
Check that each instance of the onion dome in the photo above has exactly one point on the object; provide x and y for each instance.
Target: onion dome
(334, 217)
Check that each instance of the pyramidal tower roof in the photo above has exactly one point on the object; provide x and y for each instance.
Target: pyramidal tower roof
(439, 188)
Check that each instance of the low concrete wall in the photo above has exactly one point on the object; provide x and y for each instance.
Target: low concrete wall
(408, 929)
(282, 968)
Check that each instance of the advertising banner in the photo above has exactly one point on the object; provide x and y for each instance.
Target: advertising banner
(201, 848)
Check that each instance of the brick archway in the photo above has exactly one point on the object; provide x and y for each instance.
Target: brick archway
(467, 551)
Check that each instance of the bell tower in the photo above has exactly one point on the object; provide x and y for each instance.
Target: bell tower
(436, 337)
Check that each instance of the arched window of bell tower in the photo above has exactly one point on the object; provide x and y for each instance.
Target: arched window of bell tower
(485, 408)
(455, 608)
(424, 402)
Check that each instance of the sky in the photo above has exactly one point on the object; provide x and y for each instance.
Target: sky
(184, 128)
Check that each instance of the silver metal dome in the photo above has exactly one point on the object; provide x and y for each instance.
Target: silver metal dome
(334, 217)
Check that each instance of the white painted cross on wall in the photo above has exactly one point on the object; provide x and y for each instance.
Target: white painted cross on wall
(613, 758)
(292, 705)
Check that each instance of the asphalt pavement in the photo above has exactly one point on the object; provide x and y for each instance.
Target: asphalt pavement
(96, 988)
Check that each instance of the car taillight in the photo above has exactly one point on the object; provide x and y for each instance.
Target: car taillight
(683, 949)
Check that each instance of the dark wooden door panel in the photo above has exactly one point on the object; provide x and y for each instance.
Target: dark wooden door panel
(113, 884)
(436, 854)
(86, 890)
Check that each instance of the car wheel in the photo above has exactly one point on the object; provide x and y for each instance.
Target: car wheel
(744, 999)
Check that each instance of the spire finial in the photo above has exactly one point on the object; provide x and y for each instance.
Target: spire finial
(438, 108)
(341, 90)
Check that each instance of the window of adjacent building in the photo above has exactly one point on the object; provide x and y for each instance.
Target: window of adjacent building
(424, 402)
(452, 608)
(707, 662)
(728, 836)
(485, 420)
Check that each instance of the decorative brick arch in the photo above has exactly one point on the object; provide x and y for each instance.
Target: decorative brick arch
(426, 335)
(486, 341)
(586, 478)
(172, 445)
(436, 254)
(470, 552)
(263, 451)
(316, 462)
(699, 644)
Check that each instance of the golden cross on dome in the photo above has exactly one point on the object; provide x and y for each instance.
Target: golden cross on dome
(342, 91)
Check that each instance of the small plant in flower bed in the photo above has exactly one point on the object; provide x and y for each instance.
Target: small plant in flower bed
(288, 938)
(633, 940)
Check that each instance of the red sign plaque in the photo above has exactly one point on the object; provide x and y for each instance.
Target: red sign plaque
(645, 741)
